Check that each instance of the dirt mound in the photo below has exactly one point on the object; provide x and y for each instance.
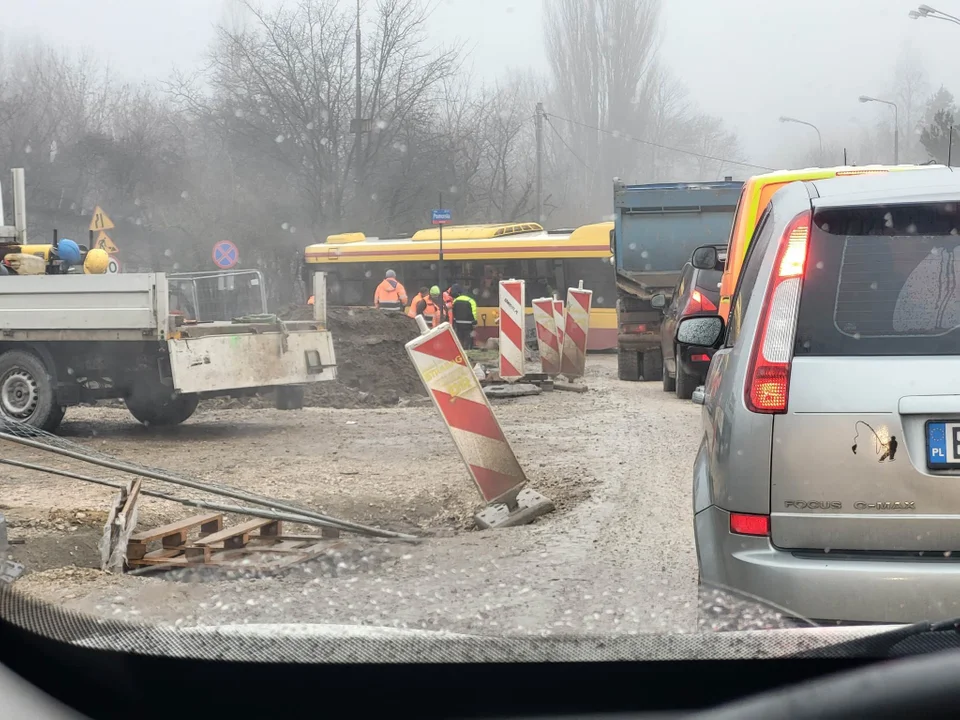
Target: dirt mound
(373, 369)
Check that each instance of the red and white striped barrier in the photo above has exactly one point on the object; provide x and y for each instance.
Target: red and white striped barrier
(547, 341)
(445, 370)
(560, 317)
(573, 358)
(511, 329)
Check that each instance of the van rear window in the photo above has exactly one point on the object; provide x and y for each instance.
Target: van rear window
(882, 281)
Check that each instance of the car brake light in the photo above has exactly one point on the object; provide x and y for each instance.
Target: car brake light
(699, 358)
(769, 376)
(697, 303)
(742, 524)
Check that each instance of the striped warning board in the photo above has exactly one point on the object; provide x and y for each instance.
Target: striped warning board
(446, 373)
(511, 329)
(560, 319)
(547, 341)
(573, 358)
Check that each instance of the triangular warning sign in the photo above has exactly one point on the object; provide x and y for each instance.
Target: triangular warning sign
(100, 220)
(105, 243)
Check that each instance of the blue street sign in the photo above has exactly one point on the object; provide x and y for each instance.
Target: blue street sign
(225, 255)
(442, 217)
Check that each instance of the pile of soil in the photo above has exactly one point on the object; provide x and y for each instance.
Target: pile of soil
(373, 369)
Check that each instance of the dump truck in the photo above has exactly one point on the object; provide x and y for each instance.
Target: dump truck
(68, 338)
(656, 229)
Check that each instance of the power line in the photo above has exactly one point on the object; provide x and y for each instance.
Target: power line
(656, 145)
(557, 132)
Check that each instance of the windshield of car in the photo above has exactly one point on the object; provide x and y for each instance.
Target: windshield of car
(361, 313)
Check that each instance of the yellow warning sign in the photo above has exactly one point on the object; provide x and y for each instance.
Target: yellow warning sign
(105, 243)
(100, 220)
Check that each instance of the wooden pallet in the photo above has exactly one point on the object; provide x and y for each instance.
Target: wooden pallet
(256, 543)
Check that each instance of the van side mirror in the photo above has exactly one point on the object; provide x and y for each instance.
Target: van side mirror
(705, 257)
(658, 301)
(700, 331)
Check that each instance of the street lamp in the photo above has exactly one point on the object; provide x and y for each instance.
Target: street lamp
(785, 119)
(896, 121)
(925, 11)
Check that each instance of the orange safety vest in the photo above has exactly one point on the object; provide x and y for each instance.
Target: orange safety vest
(412, 310)
(390, 291)
(432, 312)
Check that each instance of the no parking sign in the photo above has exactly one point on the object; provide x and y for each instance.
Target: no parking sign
(225, 255)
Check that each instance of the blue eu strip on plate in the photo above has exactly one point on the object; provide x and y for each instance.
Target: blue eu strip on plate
(942, 445)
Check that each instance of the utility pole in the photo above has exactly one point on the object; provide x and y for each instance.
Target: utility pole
(539, 124)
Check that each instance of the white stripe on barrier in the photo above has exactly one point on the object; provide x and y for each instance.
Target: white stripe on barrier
(547, 342)
(573, 359)
(512, 329)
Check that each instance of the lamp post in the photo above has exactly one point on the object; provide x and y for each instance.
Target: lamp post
(785, 119)
(896, 123)
(925, 11)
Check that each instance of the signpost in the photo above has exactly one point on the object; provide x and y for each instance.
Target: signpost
(441, 218)
(225, 255)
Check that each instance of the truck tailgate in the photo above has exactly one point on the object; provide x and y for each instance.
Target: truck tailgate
(228, 356)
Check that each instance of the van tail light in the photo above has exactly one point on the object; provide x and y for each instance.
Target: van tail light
(698, 303)
(769, 377)
(742, 524)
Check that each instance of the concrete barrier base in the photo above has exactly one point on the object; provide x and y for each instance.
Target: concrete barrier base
(527, 507)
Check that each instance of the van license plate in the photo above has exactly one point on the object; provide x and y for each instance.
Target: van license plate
(943, 445)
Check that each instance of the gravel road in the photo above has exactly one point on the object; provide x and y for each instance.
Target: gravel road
(616, 557)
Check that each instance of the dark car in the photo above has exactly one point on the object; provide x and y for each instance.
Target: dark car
(697, 293)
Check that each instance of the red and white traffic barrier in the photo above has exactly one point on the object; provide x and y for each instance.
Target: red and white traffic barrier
(573, 358)
(445, 370)
(560, 317)
(511, 329)
(547, 341)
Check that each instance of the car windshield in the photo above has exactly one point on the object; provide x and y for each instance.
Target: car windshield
(364, 314)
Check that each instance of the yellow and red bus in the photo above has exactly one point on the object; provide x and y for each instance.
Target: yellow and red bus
(477, 257)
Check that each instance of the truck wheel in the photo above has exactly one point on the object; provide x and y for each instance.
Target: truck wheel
(628, 365)
(669, 383)
(686, 384)
(154, 409)
(27, 391)
(652, 365)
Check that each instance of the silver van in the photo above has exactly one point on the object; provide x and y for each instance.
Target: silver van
(828, 478)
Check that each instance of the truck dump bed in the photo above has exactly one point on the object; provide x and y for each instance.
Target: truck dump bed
(657, 228)
(204, 358)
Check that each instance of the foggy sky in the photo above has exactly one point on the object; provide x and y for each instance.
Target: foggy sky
(748, 61)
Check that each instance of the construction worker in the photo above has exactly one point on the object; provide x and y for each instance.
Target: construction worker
(415, 303)
(464, 316)
(390, 294)
(430, 307)
(448, 304)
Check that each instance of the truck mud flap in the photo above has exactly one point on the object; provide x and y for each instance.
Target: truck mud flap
(219, 362)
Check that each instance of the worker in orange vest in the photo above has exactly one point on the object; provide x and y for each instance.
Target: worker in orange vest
(415, 303)
(448, 304)
(390, 294)
(431, 308)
